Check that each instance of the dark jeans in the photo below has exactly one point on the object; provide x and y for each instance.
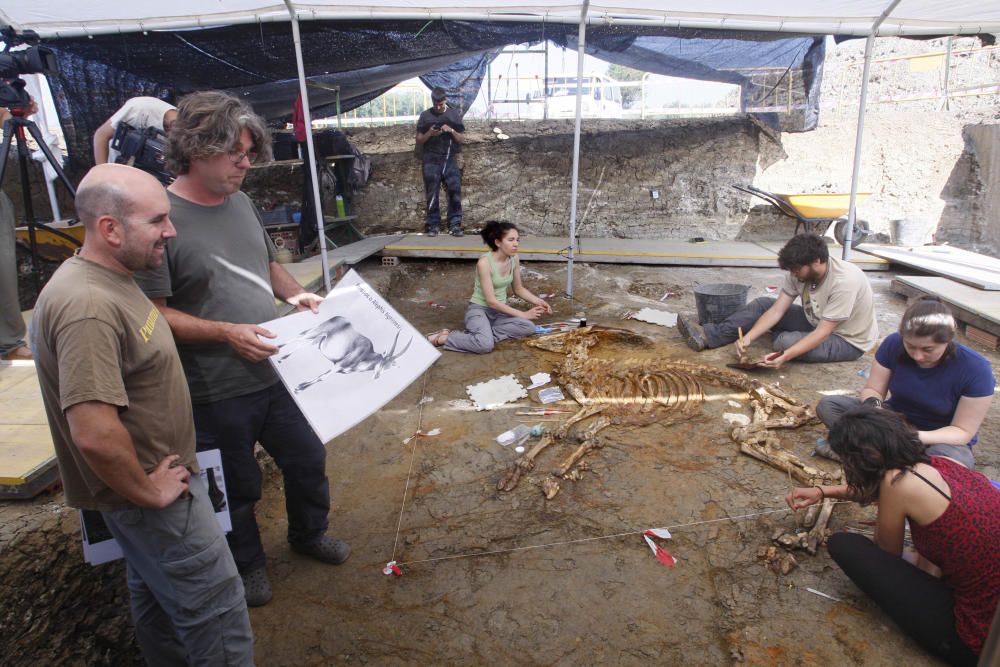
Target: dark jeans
(922, 605)
(831, 408)
(436, 173)
(790, 329)
(268, 416)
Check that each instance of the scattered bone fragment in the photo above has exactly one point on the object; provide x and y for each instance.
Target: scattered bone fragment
(809, 518)
(550, 487)
(787, 563)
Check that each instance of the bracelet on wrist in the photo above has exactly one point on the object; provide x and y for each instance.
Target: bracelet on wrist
(873, 401)
(822, 496)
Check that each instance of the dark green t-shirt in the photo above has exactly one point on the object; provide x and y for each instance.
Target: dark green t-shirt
(217, 268)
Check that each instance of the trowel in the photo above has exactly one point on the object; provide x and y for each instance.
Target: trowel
(754, 365)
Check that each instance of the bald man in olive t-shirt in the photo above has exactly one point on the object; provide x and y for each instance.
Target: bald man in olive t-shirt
(119, 411)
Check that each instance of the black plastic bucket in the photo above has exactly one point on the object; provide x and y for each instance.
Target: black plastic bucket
(717, 301)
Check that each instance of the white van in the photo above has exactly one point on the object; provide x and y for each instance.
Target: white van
(601, 98)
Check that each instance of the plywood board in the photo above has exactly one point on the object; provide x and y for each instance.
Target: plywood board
(863, 261)
(611, 251)
(26, 451)
(959, 265)
(973, 306)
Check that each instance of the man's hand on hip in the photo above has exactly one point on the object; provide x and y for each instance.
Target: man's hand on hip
(169, 480)
(244, 339)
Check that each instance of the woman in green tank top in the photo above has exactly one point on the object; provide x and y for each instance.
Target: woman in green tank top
(489, 319)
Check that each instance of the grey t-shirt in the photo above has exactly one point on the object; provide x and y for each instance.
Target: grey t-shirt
(217, 268)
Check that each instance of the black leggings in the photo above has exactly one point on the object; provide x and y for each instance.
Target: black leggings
(921, 604)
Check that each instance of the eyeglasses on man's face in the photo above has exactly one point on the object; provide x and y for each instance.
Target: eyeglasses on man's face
(238, 156)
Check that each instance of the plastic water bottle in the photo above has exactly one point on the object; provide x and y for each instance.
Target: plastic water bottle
(515, 436)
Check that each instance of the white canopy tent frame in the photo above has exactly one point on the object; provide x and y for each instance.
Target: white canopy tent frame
(58, 18)
(869, 18)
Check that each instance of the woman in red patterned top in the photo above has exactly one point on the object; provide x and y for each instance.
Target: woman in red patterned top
(944, 596)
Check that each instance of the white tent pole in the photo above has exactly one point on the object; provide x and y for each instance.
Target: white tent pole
(310, 157)
(581, 39)
(852, 213)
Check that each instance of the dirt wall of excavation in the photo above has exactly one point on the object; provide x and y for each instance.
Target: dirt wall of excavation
(673, 178)
(54, 608)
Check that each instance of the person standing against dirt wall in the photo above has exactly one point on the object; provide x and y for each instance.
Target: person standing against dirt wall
(119, 411)
(440, 135)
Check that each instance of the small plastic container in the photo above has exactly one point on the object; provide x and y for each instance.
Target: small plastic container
(515, 436)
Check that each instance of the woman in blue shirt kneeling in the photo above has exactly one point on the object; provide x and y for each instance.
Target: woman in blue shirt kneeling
(943, 388)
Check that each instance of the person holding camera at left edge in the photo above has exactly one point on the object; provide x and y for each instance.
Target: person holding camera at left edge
(138, 112)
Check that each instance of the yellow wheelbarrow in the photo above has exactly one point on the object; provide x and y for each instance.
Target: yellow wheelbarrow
(54, 241)
(816, 212)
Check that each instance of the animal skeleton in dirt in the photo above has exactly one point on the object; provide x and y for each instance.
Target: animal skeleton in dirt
(636, 392)
(351, 351)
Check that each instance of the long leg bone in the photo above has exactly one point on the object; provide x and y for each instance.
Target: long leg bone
(522, 465)
(785, 461)
(818, 532)
(590, 443)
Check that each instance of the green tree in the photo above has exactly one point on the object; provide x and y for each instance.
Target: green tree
(630, 94)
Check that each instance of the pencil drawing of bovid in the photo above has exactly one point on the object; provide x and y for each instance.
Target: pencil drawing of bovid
(350, 359)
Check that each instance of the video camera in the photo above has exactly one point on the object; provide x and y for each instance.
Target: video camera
(142, 149)
(33, 60)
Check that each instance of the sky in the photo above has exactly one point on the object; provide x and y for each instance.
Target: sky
(662, 90)
(514, 73)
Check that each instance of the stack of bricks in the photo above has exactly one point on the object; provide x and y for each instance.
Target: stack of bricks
(984, 338)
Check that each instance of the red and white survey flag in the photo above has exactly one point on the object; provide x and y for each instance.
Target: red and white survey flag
(661, 554)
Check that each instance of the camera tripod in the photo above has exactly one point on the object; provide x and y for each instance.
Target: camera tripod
(14, 127)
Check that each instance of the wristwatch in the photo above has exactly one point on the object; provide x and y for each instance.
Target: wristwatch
(873, 401)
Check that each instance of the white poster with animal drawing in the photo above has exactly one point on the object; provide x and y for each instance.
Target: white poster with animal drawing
(350, 359)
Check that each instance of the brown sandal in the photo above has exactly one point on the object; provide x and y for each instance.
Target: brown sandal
(434, 338)
(22, 353)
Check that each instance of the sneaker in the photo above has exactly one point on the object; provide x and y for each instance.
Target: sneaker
(692, 335)
(256, 587)
(432, 232)
(823, 448)
(327, 549)
(457, 232)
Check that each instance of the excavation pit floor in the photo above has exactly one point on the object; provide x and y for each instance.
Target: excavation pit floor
(517, 579)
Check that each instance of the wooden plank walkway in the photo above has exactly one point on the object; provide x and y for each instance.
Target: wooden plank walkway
(959, 265)
(619, 251)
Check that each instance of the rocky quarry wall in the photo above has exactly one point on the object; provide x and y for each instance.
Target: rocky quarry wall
(934, 172)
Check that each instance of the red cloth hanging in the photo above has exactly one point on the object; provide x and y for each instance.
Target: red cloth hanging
(299, 121)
